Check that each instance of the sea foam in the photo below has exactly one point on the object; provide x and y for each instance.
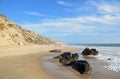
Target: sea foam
(107, 53)
(111, 58)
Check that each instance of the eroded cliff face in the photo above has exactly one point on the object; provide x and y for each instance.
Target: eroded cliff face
(13, 34)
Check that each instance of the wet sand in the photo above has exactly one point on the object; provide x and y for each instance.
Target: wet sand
(99, 72)
(64, 72)
(36, 62)
(59, 71)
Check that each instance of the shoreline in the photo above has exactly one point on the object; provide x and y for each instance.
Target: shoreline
(98, 71)
(26, 62)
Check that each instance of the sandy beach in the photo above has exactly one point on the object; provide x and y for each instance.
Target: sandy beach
(24, 62)
(36, 62)
(65, 72)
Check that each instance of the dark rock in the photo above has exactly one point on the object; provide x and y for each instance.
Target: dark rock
(93, 52)
(56, 50)
(75, 57)
(88, 51)
(56, 57)
(82, 66)
(67, 58)
(109, 59)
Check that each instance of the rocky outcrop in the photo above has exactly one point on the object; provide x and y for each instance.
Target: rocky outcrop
(82, 66)
(69, 59)
(13, 34)
(88, 51)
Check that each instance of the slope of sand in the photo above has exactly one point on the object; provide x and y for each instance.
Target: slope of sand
(24, 62)
(13, 34)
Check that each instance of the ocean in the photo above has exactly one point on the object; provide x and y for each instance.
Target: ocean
(109, 53)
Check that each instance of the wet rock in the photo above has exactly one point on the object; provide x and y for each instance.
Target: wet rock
(93, 52)
(56, 50)
(109, 59)
(75, 56)
(82, 66)
(67, 58)
(56, 57)
(88, 51)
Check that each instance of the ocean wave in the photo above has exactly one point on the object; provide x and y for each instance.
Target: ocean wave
(109, 54)
(113, 62)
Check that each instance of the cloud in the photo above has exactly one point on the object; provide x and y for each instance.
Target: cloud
(34, 13)
(63, 3)
(106, 7)
(83, 25)
(92, 7)
(102, 22)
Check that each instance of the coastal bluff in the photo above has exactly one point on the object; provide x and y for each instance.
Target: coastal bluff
(13, 34)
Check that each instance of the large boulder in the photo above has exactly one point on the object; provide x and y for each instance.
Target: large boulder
(75, 56)
(67, 58)
(82, 66)
(93, 52)
(88, 51)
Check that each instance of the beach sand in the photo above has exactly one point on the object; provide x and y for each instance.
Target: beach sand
(36, 62)
(24, 62)
(65, 72)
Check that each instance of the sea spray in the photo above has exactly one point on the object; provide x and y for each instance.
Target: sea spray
(109, 53)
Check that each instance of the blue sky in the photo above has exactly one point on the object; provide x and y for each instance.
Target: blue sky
(71, 21)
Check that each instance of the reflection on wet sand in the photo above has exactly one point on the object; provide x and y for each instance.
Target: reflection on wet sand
(52, 67)
(61, 72)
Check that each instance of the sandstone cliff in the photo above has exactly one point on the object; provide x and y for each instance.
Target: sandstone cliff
(13, 34)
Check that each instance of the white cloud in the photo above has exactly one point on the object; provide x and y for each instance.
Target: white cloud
(84, 25)
(63, 3)
(108, 21)
(92, 6)
(106, 7)
(34, 13)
